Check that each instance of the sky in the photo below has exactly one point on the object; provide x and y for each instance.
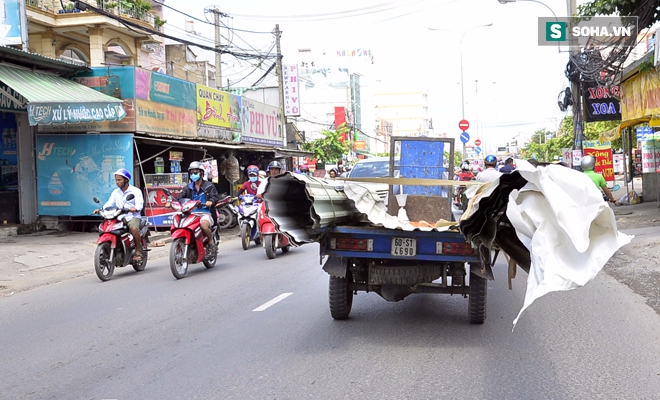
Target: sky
(510, 83)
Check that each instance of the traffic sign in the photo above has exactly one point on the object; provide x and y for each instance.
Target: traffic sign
(477, 142)
(463, 125)
(465, 137)
(477, 149)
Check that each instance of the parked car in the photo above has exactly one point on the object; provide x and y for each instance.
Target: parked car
(376, 167)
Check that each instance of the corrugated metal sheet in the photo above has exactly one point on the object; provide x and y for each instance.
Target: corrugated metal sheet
(302, 207)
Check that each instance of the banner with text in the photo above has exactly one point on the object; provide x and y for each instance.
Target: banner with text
(218, 115)
(640, 96)
(73, 169)
(291, 90)
(262, 123)
(603, 154)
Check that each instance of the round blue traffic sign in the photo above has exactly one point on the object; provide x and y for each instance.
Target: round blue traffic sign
(465, 137)
(477, 149)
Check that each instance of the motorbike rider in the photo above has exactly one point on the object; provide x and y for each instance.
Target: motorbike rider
(490, 173)
(252, 184)
(118, 199)
(274, 169)
(304, 169)
(588, 163)
(508, 166)
(333, 173)
(464, 175)
(204, 191)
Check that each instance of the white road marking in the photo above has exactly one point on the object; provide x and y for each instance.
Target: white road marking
(274, 301)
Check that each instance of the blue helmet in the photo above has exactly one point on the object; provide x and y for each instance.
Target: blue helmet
(124, 173)
(490, 159)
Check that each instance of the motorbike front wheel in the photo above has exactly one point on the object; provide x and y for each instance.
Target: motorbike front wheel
(102, 265)
(245, 236)
(269, 244)
(178, 264)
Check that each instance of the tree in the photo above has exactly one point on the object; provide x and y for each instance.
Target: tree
(546, 149)
(644, 9)
(329, 148)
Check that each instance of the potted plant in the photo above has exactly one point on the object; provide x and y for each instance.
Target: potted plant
(158, 22)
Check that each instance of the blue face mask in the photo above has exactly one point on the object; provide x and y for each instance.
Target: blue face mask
(194, 177)
(253, 179)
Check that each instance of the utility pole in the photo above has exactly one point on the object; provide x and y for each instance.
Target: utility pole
(576, 90)
(218, 49)
(280, 84)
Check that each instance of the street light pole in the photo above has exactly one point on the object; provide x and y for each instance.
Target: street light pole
(462, 88)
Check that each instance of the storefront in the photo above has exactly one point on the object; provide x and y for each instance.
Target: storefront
(32, 97)
(640, 111)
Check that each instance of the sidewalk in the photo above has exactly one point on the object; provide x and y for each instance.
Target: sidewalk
(45, 258)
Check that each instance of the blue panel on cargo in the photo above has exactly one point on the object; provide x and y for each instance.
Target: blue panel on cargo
(422, 159)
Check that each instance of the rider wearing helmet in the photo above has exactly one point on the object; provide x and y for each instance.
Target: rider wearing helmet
(490, 173)
(274, 169)
(252, 184)
(118, 199)
(588, 163)
(333, 173)
(304, 169)
(465, 174)
(204, 191)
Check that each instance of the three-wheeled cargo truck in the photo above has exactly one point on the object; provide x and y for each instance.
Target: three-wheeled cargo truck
(395, 263)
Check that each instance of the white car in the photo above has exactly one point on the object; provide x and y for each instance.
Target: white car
(376, 167)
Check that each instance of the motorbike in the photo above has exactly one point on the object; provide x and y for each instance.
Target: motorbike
(247, 219)
(272, 239)
(189, 244)
(225, 211)
(116, 245)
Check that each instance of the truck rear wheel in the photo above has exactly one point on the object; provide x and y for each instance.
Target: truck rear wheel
(477, 305)
(341, 295)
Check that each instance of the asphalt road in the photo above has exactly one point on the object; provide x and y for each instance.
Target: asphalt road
(149, 336)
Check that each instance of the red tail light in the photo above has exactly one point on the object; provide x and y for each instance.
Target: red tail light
(455, 248)
(352, 244)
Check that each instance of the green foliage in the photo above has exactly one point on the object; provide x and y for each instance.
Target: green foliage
(329, 148)
(158, 22)
(458, 158)
(624, 8)
(546, 150)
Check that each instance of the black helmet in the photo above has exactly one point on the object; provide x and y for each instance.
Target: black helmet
(275, 164)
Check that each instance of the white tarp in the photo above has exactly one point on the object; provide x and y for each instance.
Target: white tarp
(560, 216)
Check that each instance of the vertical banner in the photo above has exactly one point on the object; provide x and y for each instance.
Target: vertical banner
(73, 169)
(11, 29)
(603, 154)
(291, 90)
(8, 155)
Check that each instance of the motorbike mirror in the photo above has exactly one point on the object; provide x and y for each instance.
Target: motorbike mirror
(616, 187)
(130, 197)
(96, 200)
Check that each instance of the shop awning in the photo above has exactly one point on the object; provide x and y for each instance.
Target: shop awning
(284, 152)
(54, 100)
(200, 144)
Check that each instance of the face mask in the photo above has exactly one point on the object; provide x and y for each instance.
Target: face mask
(194, 177)
(253, 179)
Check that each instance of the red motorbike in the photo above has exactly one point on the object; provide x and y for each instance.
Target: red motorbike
(189, 244)
(116, 246)
(271, 238)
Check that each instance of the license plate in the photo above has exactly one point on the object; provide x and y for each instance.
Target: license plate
(404, 247)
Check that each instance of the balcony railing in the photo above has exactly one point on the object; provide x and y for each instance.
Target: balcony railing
(122, 8)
